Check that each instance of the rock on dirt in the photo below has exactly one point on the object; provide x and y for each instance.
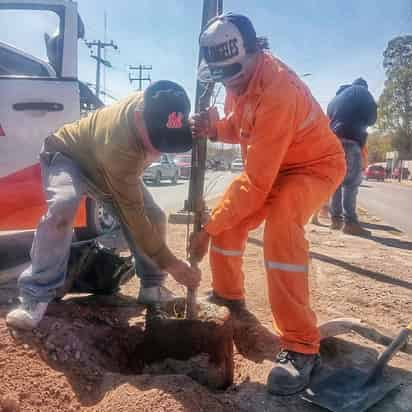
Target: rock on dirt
(9, 403)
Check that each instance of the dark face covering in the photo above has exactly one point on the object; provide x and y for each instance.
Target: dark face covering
(166, 115)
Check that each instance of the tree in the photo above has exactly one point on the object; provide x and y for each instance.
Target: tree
(395, 103)
(398, 53)
(378, 145)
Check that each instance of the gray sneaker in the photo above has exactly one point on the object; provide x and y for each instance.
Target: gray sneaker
(27, 316)
(153, 295)
(292, 372)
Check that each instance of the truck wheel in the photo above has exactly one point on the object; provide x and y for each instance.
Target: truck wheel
(174, 178)
(157, 178)
(99, 221)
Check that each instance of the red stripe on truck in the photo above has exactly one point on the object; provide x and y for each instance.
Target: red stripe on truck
(22, 201)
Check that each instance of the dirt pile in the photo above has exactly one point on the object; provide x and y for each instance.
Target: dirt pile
(80, 357)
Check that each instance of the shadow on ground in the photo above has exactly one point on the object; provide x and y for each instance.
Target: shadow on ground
(15, 249)
(392, 242)
(386, 228)
(380, 277)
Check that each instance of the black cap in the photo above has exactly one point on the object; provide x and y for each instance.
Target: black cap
(166, 114)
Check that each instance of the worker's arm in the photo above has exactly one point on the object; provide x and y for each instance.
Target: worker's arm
(367, 108)
(225, 131)
(269, 141)
(372, 116)
(122, 173)
(208, 124)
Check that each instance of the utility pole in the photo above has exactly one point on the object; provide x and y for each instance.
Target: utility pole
(204, 93)
(100, 45)
(140, 68)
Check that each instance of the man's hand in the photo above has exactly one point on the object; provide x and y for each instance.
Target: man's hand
(199, 245)
(183, 273)
(203, 124)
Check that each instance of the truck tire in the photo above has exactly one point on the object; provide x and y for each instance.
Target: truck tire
(98, 223)
(175, 178)
(157, 178)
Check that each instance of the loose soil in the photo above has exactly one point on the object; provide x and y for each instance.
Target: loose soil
(80, 358)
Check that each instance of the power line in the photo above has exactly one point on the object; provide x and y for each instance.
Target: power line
(140, 69)
(100, 45)
(104, 92)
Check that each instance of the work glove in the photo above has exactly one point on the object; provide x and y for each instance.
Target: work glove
(203, 124)
(198, 245)
(184, 274)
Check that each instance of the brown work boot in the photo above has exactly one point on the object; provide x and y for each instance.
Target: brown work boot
(355, 229)
(292, 372)
(337, 223)
(234, 305)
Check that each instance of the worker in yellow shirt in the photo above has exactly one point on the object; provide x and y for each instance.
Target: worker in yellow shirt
(103, 156)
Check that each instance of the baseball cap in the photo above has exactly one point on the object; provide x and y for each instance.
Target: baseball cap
(225, 44)
(166, 111)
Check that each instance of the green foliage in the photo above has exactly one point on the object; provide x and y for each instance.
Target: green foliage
(398, 53)
(395, 103)
(378, 145)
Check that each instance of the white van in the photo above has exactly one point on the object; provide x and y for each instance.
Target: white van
(39, 92)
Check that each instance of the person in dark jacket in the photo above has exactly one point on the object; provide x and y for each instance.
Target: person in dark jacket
(351, 111)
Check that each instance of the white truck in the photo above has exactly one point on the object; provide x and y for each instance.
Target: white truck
(39, 92)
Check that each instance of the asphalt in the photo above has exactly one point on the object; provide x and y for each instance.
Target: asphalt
(391, 202)
(171, 197)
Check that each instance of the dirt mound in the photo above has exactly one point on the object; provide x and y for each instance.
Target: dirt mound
(81, 357)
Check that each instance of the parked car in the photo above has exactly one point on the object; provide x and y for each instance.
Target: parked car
(396, 172)
(375, 172)
(236, 165)
(164, 169)
(220, 164)
(183, 162)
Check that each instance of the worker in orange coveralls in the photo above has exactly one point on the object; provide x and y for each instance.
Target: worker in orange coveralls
(292, 164)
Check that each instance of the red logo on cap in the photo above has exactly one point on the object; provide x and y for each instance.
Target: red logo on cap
(175, 121)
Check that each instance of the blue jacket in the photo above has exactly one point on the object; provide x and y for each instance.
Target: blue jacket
(351, 111)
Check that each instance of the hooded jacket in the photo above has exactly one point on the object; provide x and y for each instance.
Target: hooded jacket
(351, 111)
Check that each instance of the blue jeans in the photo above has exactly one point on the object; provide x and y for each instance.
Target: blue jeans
(343, 205)
(64, 187)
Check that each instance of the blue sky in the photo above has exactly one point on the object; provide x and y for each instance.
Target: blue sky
(335, 40)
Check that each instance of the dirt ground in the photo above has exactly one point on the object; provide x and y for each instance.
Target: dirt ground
(79, 357)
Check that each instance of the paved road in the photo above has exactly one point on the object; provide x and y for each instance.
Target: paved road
(391, 202)
(171, 197)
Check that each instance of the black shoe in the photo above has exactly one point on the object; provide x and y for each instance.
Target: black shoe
(292, 372)
(233, 305)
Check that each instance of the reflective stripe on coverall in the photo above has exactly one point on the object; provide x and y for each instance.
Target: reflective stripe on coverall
(293, 164)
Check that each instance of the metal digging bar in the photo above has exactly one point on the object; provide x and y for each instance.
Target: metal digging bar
(204, 92)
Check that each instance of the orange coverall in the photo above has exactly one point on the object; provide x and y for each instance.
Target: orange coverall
(293, 164)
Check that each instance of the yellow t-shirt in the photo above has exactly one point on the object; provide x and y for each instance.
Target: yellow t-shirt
(109, 149)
